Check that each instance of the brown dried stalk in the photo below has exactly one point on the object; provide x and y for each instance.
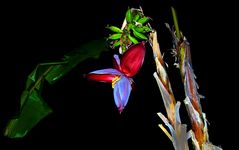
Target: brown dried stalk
(179, 135)
(192, 101)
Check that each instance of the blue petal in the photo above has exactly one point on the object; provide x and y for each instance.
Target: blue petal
(107, 71)
(117, 60)
(122, 91)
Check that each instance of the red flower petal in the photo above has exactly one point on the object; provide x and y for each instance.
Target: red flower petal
(101, 77)
(132, 59)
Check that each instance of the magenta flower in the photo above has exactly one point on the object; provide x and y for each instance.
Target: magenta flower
(120, 75)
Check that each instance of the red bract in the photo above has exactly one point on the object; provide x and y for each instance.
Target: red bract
(120, 75)
(133, 59)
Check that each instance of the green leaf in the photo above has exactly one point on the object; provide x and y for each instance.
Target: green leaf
(139, 35)
(115, 36)
(129, 17)
(143, 20)
(134, 40)
(92, 49)
(33, 111)
(38, 75)
(115, 29)
(33, 108)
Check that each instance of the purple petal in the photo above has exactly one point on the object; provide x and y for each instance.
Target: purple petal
(106, 71)
(116, 62)
(122, 91)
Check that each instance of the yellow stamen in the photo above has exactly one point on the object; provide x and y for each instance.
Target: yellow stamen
(117, 78)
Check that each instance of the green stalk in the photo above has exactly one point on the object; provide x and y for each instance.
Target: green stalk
(175, 21)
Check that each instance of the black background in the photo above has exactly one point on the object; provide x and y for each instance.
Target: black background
(84, 111)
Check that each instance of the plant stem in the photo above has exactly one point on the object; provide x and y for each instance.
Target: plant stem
(40, 79)
(175, 21)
